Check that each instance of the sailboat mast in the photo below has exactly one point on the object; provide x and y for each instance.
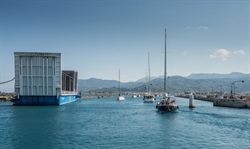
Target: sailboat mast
(147, 81)
(165, 65)
(149, 84)
(119, 84)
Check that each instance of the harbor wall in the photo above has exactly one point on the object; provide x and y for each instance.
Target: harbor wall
(233, 103)
(199, 98)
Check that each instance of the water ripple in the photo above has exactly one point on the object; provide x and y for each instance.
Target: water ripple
(108, 123)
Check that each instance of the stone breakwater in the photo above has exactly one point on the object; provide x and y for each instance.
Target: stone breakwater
(233, 103)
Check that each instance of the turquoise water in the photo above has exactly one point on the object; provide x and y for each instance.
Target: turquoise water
(108, 123)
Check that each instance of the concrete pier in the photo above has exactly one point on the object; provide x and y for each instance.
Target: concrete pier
(233, 103)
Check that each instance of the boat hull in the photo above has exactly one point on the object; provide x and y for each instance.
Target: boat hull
(167, 108)
(45, 100)
(167, 104)
(120, 98)
(134, 96)
(64, 99)
(148, 100)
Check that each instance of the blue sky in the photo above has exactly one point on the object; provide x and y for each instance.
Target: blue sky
(97, 38)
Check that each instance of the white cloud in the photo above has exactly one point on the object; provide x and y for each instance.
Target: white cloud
(204, 28)
(239, 52)
(220, 54)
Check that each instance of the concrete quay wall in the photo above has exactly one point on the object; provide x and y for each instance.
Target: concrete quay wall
(233, 103)
(199, 98)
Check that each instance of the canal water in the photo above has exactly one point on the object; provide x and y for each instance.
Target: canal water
(108, 123)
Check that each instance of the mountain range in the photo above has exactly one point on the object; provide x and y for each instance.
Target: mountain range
(202, 82)
(233, 75)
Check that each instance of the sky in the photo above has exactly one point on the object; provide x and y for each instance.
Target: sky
(99, 37)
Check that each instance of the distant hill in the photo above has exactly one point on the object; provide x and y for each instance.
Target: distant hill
(144, 79)
(94, 84)
(194, 82)
(214, 75)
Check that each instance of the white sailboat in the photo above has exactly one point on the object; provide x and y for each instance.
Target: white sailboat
(134, 96)
(120, 97)
(148, 97)
(167, 103)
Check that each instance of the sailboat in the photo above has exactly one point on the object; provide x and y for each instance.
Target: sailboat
(134, 96)
(148, 97)
(120, 97)
(167, 103)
